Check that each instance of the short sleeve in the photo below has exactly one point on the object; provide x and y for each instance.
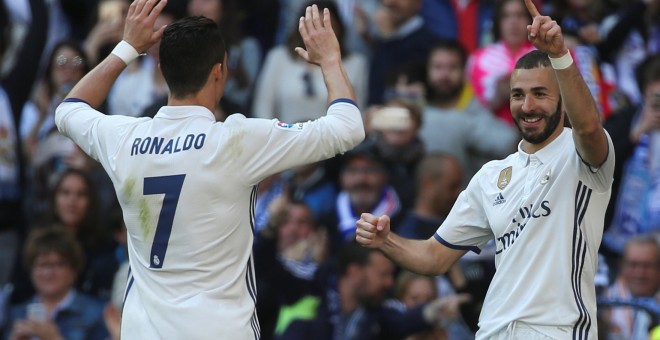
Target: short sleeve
(600, 178)
(98, 135)
(466, 227)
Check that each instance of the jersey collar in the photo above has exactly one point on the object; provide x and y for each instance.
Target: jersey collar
(547, 153)
(183, 112)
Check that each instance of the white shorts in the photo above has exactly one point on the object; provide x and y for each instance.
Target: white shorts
(519, 330)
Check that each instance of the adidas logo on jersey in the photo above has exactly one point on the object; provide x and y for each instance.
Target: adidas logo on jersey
(499, 199)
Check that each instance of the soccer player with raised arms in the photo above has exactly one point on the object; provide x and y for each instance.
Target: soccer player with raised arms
(186, 183)
(544, 205)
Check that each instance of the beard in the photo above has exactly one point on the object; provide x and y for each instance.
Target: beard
(445, 93)
(363, 196)
(371, 301)
(550, 127)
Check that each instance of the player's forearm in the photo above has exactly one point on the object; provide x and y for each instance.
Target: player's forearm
(337, 81)
(583, 115)
(577, 99)
(94, 87)
(414, 255)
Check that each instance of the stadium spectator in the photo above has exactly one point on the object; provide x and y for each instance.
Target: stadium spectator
(455, 122)
(291, 90)
(489, 69)
(57, 310)
(403, 37)
(639, 278)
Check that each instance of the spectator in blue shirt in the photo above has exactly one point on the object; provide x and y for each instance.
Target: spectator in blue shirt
(57, 310)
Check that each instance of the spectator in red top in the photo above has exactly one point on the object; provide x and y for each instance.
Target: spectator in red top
(489, 68)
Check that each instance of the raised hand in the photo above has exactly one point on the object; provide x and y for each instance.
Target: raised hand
(321, 44)
(445, 309)
(372, 231)
(544, 33)
(140, 21)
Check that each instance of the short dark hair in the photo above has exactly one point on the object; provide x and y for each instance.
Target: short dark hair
(189, 49)
(432, 166)
(642, 239)
(53, 239)
(452, 46)
(648, 72)
(533, 59)
(352, 253)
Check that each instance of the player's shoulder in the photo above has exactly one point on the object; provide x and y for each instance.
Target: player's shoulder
(497, 165)
(238, 122)
(234, 120)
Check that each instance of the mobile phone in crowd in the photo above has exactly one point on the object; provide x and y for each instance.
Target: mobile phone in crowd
(36, 311)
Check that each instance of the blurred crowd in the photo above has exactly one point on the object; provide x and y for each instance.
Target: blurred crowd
(432, 80)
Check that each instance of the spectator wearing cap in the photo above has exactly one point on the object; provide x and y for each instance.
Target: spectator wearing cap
(394, 133)
(364, 188)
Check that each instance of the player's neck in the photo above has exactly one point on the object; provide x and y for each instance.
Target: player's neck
(198, 99)
(531, 148)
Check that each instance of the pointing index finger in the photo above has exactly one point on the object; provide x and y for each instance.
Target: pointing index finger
(532, 8)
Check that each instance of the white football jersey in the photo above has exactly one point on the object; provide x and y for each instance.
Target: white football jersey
(545, 211)
(187, 188)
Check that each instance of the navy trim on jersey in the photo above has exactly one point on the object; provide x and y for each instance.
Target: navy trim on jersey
(591, 167)
(583, 324)
(252, 289)
(253, 204)
(249, 278)
(254, 323)
(343, 100)
(128, 288)
(457, 247)
(75, 100)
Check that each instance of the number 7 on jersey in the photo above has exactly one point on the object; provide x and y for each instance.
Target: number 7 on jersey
(171, 187)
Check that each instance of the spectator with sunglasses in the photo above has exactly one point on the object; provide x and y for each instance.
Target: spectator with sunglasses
(47, 151)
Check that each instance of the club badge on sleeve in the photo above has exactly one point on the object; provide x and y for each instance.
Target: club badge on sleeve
(290, 126)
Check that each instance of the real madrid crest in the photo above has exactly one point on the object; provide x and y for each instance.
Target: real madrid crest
(505, 178)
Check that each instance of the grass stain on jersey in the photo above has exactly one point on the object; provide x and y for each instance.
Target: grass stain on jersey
(128, 187)
(144, 217)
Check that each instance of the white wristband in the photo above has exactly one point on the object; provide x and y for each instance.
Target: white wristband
(562, 62)
(125, 52)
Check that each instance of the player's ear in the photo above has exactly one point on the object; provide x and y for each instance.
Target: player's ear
(216, 71)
